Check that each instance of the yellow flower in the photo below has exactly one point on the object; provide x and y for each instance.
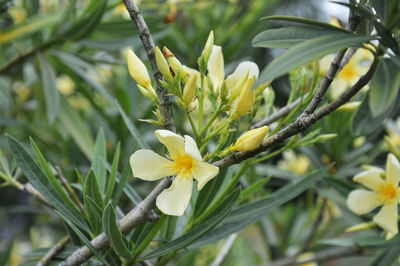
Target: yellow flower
(385, 192)
(138, 72)
(215, 66)
(251, 139)
(349, 74)
(65, 85)
(246, 99)
(298, 164)
(189, 90)
(184, 161)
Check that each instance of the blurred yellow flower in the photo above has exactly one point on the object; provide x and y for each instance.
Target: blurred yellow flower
(66, 85)
(385, 192)
(298, 164)
(22, 90)
(251, 139)
(184, 161)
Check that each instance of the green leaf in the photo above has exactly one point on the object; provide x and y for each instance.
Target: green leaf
(198, 230)
(253, 189)
(92, 190)
(365, 123)
(85, 25)
(113, 174)
(52, 97)
(75, 126)
(100, 156)
(82, 237)
(123, 186)
(384, 86)
(249, 213)
(51, 178)
(110, 227)
(288, 36)
(147, 234)
(386, 257)
(308, 51)
(306, 21)
(94, 209)
(5, 254)
(131, 127)
(40, 182)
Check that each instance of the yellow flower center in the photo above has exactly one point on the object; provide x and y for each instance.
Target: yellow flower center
(387, 192)
(348, 73)
(183, 164)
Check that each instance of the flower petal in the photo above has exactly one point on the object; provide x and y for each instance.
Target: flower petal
(361, 201)
(191, 148)
(371, 179)
(392, 170)
(174, 200)
(240, 71)
(148, 165)
(387, 217)
(203, 172)
(175, 144)
(215, 66)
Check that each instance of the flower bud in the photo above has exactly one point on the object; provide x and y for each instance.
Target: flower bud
(325, 137)
(175, 64)
(361, 227)
(138, 71)
(149, 94)
(251, 139)
(239, 87)
(223, 92)
(246, 99)
(163, 65)
(215, 66)
(208, 47)
(189, 90)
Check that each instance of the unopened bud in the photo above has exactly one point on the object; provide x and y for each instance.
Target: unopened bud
(175, 64)
(208, 47)
(251, 139)
(361, 227)
(163, 65)
(238, 87)
(325, 137)
(138, 71)
(149, 94)
(189, 91)
(246, 99)
(223, 92)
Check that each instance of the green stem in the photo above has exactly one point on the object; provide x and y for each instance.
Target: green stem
(212, 119)
(193, 125)
(268, 156)
(201, 102)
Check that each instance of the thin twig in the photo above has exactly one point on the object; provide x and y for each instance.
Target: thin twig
(354, 20)
(314, 227)
(53, 251)
(302, 123)
(27, 187)
(71, 192)
(324, 255)
(148, 43)
(225, 250)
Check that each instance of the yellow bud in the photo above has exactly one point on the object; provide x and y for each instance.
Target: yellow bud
(239, 87)
(246, 99)
(208, 47)
(349, 107)
(189, 90)
(361, 227)
(251, 139)
(175, 64)
(163, 65)
(138, 71)
(325, 137)
(149, 94)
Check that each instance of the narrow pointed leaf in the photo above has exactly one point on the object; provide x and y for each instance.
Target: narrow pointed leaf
(100, 156)
(113, 174)
(92, 190)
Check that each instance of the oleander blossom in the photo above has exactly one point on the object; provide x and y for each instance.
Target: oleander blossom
(184, 161)
(385, 192)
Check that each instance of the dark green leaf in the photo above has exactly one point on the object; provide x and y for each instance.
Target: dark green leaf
(197, 231)
(5, 254)
(253, 189)
(384, 86)
(308, 51)
(113, 174)
(306, 21)
(249, 213)
(110, 227)
(50, 88)
(288, 36)
(92, 191)
(40, 182)
(100, 156)
(83, 237)
(94, 209)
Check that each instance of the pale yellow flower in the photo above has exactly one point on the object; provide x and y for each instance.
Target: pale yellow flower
(189, 90)
(138, 72)
(298, 164)
(385, 192)
(251, 139)
(184, 161)
(65, 85)
(350, 73)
